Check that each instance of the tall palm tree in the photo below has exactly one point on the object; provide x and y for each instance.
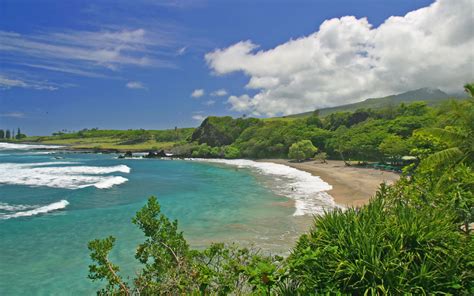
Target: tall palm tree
(469, 88)
(460, 140)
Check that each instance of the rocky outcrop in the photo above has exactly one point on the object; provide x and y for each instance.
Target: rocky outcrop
(127, 154)
(155, 154)
(221, 131)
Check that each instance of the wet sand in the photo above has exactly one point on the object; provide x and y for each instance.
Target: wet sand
(352, 186)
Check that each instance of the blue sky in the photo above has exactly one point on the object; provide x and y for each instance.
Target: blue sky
(159, 64)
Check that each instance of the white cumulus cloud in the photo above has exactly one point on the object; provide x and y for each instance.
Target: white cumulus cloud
(135, 85)
(219, 93)
(198, 117)
(197, 93)
(347, 60)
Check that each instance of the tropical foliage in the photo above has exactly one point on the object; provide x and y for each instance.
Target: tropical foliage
(414, 237)
(302, 150)
(384, 135)
(411, 238)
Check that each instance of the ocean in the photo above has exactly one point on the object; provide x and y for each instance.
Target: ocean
(52, 203)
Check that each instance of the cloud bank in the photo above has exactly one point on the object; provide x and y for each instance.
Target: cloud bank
(348, 59)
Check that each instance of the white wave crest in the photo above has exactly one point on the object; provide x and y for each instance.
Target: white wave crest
(308, 191)
(109, 182)
(10, 146)
(70, 177)
(13, 208)
(38, 210)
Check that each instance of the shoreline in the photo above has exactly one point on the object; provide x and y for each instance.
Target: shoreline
(351, 186)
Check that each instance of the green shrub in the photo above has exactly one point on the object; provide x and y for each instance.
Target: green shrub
(170, 267)
(385, 247)
(231, 152)
(302, 150)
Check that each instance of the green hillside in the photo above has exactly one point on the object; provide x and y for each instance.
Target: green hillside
(120, 140)
(428, 95)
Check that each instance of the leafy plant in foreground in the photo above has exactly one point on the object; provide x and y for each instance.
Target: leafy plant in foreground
(170, 267)
(383, 248)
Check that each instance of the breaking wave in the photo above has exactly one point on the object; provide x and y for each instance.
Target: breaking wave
(308, 191)
(50, 174)
(34, 210)
(10, 146)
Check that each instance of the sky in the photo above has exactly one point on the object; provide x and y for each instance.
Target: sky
(157, 64)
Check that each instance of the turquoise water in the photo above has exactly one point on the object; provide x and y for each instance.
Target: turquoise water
(46, 253)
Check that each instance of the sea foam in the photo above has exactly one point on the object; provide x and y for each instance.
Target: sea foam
(35, 211)
(61, 175)
(308, 191)
(10, 146)
(13, 208)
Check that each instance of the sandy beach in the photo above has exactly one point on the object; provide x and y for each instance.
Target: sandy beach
(352, 186)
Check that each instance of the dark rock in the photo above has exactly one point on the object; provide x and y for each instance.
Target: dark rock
(153, 154)
(127, 154)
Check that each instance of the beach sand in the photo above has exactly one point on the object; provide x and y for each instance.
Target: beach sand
(352, 186)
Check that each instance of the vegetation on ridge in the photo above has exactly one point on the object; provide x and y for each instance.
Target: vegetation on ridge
(120, 140)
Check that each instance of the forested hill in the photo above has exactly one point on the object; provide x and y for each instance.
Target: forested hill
(384, 134)
(431, 96)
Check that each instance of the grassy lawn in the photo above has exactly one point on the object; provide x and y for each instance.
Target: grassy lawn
(123, 140)
(110, 143)
(282, 118)
(102, 143)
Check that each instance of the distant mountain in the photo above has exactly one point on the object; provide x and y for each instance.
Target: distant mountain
(431, 96)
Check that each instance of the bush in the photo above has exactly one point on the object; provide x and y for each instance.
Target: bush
(302, 150)
(231, 152)
(385, 247)
(170, 267)
(322, 157)
(206, 151)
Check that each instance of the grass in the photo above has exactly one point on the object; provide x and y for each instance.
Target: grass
(289, 119)
(102, 143)
(122, 140)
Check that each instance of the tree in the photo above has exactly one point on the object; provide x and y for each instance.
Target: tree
(459, 138)
(322, 157)
(2, 134)
(172, 268)
(423, 144)
(19, 135)
(231, 152)
(314, 119)
(394, 147)
(7, 134)
(302, 150)
(469, 88)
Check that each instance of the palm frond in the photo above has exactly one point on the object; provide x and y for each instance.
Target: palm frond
(469, 88)
(445, 157)
(449, 136)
